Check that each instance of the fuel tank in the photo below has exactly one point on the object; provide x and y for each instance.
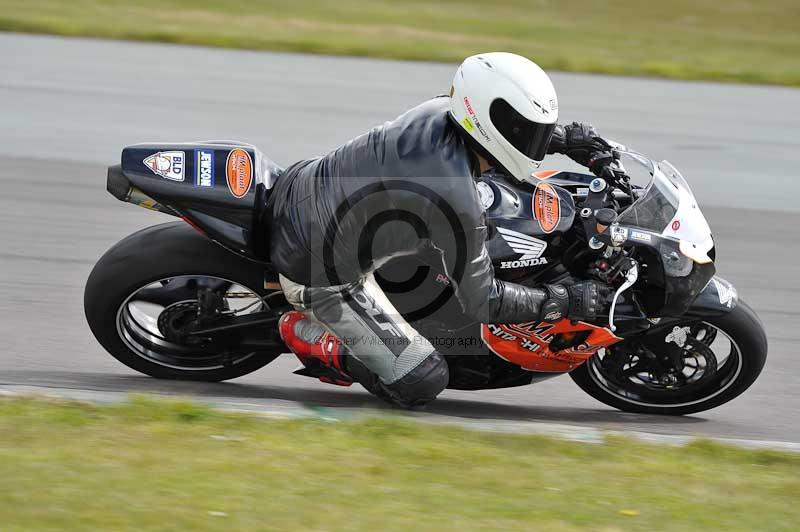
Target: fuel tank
(526, 223)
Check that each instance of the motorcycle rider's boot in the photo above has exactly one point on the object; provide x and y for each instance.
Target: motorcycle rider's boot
(319, 351)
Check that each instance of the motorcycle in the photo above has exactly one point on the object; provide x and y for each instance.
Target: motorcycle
(199, 300)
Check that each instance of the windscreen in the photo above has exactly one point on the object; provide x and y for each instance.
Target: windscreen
(667, 207)
(654, 209)
(659, 201)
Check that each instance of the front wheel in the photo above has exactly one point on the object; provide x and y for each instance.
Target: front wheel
(144, 293)
(680, 369)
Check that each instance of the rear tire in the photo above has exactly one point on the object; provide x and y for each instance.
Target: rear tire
(152, 254)
(744, 329)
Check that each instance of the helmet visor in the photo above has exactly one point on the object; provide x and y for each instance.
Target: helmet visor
(530, 138)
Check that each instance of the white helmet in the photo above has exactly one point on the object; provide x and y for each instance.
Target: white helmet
(508, 105)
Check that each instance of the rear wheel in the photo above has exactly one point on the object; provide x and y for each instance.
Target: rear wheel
(681, 369)
(145, 293)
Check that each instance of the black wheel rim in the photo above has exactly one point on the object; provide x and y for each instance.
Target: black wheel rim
(711, 363)
(140, 321)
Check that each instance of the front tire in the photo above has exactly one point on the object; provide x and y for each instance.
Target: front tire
(152, 257)
(746, 359)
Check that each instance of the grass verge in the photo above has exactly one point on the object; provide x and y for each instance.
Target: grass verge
(156, 465)
(741, 40)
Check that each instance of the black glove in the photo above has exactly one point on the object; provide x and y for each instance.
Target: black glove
(579, 302)
(599, 161)
(577, 141)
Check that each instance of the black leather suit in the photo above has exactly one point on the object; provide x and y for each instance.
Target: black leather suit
(400, 188)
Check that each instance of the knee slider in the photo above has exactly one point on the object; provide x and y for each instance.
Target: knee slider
(422, 384)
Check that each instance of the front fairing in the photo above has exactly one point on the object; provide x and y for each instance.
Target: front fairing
(667, 224)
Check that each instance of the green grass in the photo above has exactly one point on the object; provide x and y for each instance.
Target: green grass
(154, 465)
(731, 40)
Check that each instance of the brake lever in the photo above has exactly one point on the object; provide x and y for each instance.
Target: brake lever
(631, 276)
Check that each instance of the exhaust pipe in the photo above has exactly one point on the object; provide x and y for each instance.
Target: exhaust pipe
(121, 188)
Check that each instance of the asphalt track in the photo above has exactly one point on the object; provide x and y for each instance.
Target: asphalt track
(67, 106)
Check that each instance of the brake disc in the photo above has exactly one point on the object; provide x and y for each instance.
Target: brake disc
(176, 320)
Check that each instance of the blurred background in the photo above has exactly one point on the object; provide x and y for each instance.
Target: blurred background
(708, 85)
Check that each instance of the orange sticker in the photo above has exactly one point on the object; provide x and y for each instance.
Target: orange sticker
(544, 174)
(528, 344)
(546, 207)
(239, 170)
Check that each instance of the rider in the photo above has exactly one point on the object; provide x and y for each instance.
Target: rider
(407, 187)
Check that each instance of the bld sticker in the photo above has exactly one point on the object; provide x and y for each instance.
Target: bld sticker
(167, 164)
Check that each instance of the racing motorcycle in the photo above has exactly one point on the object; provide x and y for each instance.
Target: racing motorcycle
(198, 299)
